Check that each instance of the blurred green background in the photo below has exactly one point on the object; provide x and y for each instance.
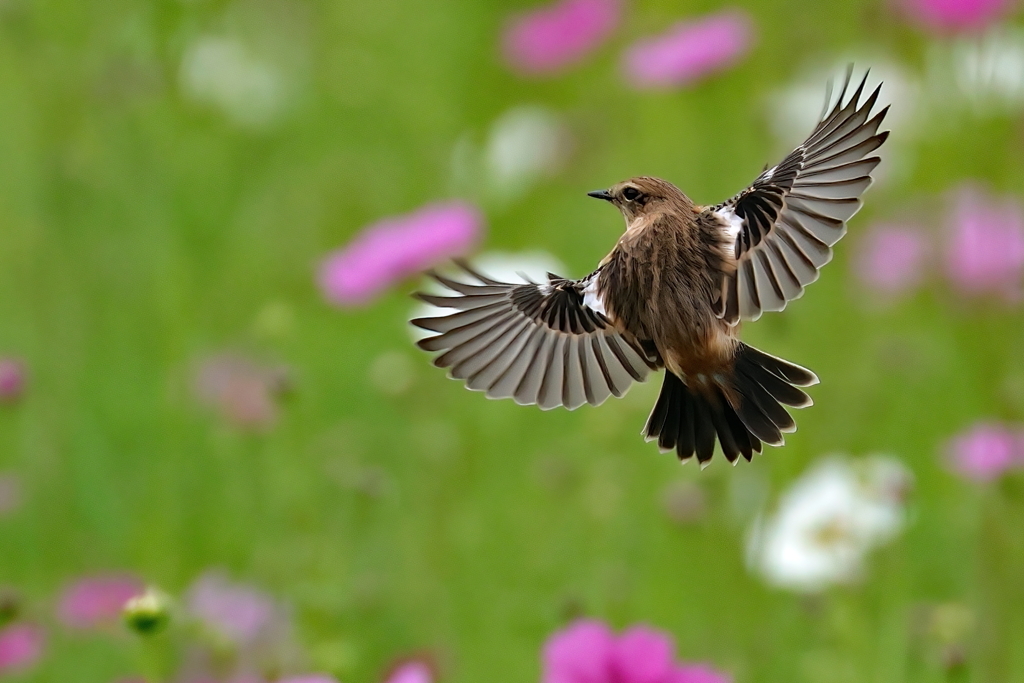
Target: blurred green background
(142, 230)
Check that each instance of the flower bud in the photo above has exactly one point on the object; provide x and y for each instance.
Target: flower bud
(148, 613)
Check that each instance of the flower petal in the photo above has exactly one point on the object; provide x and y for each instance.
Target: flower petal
(237, 611)
(552, 38)
(891, 259)
(689, 51)
(985, 248)
(954, 15)
(395, 248)
(643, 655)
(698, 673)
(984, 452)
(95, 600)
(21, 646)
(581, 653)
(412, 672)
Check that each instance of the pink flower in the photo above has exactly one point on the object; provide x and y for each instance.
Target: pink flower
(699, 673)
(986, 451)
(891, 259)
(238, 612)
(97, 600)
(313, 678)
(12, 380)
(395, 248)
(552, 38)
(242, 390)
(21, 646)
(10, 494)
(948, 16)
(588, 652)
(411, 672)
(985, 249)
(690, 50)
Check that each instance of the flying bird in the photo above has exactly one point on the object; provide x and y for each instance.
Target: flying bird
(671, 294)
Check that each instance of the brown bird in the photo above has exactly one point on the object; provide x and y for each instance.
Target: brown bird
(671, 295)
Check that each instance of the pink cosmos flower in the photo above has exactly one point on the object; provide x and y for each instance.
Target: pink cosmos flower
(411, 672)
(689, 51)
(237, 611)
(552, 38)
(242, 390)
(699, 673)
(588, 652)
(21, 646)
(97, 600)
(395, 248)
(891, 259)
(12, 380)
(10, 493)
(985, 248)
(986, 451)
(949, 16)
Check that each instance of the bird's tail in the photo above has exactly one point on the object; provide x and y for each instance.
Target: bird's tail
(742, 411)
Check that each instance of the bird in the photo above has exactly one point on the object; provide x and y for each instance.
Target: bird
(671, 295)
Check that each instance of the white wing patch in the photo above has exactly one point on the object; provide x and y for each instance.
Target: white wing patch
(733, 223)
(592, 298)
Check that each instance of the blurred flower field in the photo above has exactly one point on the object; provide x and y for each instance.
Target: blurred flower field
(222, 459)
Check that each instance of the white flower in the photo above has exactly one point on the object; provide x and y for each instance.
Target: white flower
(985, 73)
(222, 72)
(497, 265)
(796, 108)
(523, 145)
(827, 522)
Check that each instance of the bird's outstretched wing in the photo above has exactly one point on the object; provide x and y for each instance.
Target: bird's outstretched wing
(784, 225)
(535, 343)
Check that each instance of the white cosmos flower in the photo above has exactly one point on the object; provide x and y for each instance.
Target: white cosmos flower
(795, 108)
(513, 267)
(523, 145)
(985, 73)
(828, 520)
(223, 72)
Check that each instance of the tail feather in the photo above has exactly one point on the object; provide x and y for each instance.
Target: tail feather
(656, 428)
(689, 423)
(726, 437)
(704, 431)
(778, 388)
(769, 406)
(740, 413)
(759, 424)
(748, 444)
(792, 373)
(687, 440)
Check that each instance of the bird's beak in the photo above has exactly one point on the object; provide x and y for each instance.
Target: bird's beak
(601, 194)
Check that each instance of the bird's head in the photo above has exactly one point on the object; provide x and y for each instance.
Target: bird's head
(644, 195)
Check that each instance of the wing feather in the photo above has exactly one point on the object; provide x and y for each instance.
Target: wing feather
(535, 343)
(793, 214)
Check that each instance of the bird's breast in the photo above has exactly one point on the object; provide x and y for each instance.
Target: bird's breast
(659, 284)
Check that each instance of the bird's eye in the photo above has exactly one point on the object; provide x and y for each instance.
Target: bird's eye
(630, 194)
